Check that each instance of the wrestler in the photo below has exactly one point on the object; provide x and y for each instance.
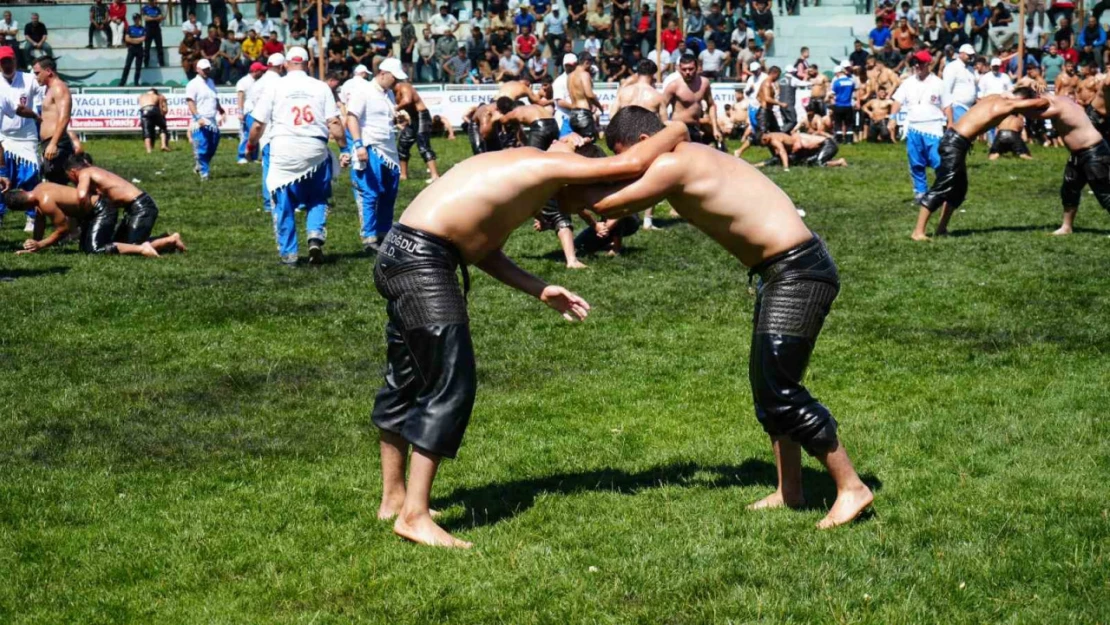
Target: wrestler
(800, 149)
(1089, 163)
(152, 119)
(96, 215)
(818, 92)
(429, 387)
(1067, 80)
(815, 123)
(743, 211)
(882, 127)
(1088, 86)
(1008, 139)
(767, 96)
(688, 95)
(581, 102)
(57, 103)
(950, 186)
(518, 90)
(639, 90)
(482, 128)
(418, 132)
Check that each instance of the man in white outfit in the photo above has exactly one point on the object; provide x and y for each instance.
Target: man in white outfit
(275, 70)
(920, 95)
(358, 80)
(18, 133)
(246, 104)
(204, 106)
(960, 88)
(301, 113)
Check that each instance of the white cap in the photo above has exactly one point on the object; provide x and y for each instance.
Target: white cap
(297, 54)
(845, 64)
(754, 66)
(996, 62)
(204, 64)
(967, 49)
(276, 60)
(361, 69)
(570, 59)
(393, 66)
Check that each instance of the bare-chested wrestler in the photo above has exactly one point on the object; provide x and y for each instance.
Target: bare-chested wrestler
(430, 383)
(96, 215)
(1088, 85)
(482, 128)
(688, 95)
(418, 132)
(1067, 81)
(639, 90)
(736, 123)
(1008, 139)
(800, 149)
(950, 186)
(1090, 157)
(815, 123)
(818, 92)
(744, 212)
(581, 102)
(152, 119)
(57, 103)
(882, 127)
(768, 98)
(521, 91)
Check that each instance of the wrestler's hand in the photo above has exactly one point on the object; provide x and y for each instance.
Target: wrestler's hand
(537, 226)
(344, 160)
(202, 122)
(5, 184)
(575, 140)
(602, 229)
(51, 151)
(362, 155)
(29, 247)
(574, 308)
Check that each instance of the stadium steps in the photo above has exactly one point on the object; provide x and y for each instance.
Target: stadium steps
(828, 30)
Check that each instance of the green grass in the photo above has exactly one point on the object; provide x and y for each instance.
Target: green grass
(188, 439)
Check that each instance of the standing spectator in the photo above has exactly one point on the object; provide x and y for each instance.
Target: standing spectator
(456, 67)
(960, 88)
(217, 9)
(908, 13)
(408, 42)
(134, 38)
(763, 22)
(272, 45)
(231, 54)
(191, 26)
(1092, 44)
(1052, 63)
(426, 58)
(554, 30)
(576, 18)
(526, 44)
(904, 36)
(510, 66)
(1002, 32)
(712, 61)
(446, 48)
(980, 27)
(995, 82)
(252, 47)
(98, 22)
(188, 7)
(189, 52)
(1061, 9)
(801, 66)
(920, 96)
(879, 35)
(210, 49)
(34, 44)
(443, 23)
(599, 22)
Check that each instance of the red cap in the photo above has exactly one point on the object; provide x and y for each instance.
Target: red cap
(258, 67)
(6, 52)
(923, 56)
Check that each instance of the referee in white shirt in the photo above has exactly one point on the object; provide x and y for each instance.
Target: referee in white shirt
(204, 106)
(960, 85)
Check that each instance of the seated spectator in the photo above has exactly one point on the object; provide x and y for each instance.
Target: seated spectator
(934, 37)
(1052, 63)
(231, 55)
(9, 30)
(98, 22)
(600, 23)
(341, 27)
(237, 27)
(744, 58)
(252, 47)
(890, 57)
(526, 43)
(763, 23)
(501, 20)
(337, 52)
(476, 46)
(957, 36)
(695, 21)
(858, 56)
(524, 19)
(381, 45)
(741, 35)
(298, 30)
(117, 23)
(615, 67)
(443, 23)
(342, 11)
(1070, 54)
(500, 41)
(908, 13)
(210, 49)
(509, 67)
(480, 21)
(980, 26)
(1034, 37)
(1092, 44)
(721, 38)
(672, 35)
(879, 35)
(34, 40)
(592, 45)
(382, 33)
(264, 26)
(273, 46)
(456, 67)
(576, 17)
(714, 19)
(446, 48)
(536, 68)
(885, 12)
(191, 26)
(645, 26)
(481, 75)
(712, 61)
(955, 13)
(274, 11)
(1064, 33)
(189, 52)
(540, 9)
(1002, 31)
(619, 9)
(904, 36)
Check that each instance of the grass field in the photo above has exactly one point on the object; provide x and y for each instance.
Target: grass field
(187, 440)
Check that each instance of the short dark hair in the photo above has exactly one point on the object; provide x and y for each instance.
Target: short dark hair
(687, 58)
(647, 67)
(46, 63)
(16, 198)
(628, 124)
(78, 161)
(1025, 93)
(590, 150)
(505, 104)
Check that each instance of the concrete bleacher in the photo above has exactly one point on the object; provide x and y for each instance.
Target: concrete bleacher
(827, 30)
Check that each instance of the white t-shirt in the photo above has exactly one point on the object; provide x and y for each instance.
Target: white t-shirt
(375, 109)
(202, 91)
(741, 37)
(191, 27)
(921, 100)
(711, 61)
(753, 83)
(25, 90)
(990, 84)
(441, 25)
(297, 109)
(244, 87)
(511, 64)
(12, 25)
(348, 87)
(560, 91)
(239, 28)
(592, 47)
(662, 60)
(265, 81)
(537, 64)
(959, 84)
(264, 28)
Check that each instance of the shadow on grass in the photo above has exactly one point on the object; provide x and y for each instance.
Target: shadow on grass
(11, 275)
(1047, 228)
(498, 501)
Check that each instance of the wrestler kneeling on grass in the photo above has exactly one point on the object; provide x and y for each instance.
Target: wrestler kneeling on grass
(741, 209)
(464, 219)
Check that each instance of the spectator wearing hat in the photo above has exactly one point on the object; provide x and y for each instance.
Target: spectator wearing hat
(957, 36)
(955, 13)
(920, 96)
(960, 88)
(204, 105)
(246, 103)
(995, 82)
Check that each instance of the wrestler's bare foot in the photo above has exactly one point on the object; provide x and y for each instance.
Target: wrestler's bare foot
(1025, 157)
(917, 236)
(391, 505)
(165, 149)
(612, 253)
(1062, 230)
(993, 157)
(576, 264)
(776, 500)
(422, 529)
(178, 243)
(146, 249)
(848, 505)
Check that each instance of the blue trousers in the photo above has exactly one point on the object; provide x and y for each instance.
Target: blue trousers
(958, 111)
(375, 194)
(312, 191)
(267, 203)
(248, 121)
(205, 141)
(564, 128)
(22, 174)
(922, 152)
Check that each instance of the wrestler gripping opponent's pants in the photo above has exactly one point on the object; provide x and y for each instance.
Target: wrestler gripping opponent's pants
(205, 141)
(138, 221)
(417, 133)
(950, 185)
(796, 290)
(312, 191)
(377, 186)
(244, 135)
(541, 134)
(54, 169)
(478, 145)
(22, 173)
(824, 154)
(580, 121)
(587, 242)
(430, 384)
(98, 228)
(1008, 142)
(1090, 166)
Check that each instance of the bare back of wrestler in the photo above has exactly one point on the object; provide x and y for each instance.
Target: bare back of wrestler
(640, 91)
(517, 90)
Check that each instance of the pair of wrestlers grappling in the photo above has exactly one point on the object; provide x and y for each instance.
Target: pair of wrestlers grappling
(430, 383)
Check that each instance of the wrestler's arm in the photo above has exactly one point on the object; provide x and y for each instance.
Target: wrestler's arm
(613, 201)
(61, 228)
(403, 99)
(84, 194)
(65, 103)
(504, 270)
(712, 107)
(574, 169)
(591, 97)
(780, 150)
